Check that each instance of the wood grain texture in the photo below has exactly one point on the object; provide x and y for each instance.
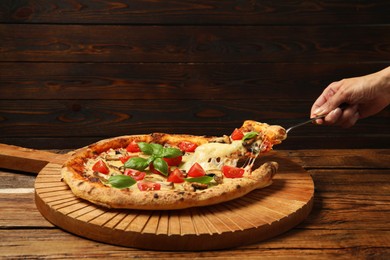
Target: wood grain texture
(345, 222)
(25, 159)
(202, 12)
(257, 216)
(98, 119)
(74, 72)
(63, 62)
(216, 44)
(316, 244)
(341, 159)
(238, 81)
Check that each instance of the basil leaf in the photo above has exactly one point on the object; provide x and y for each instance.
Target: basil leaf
(121, 181)
(171, 152)
(204, 179)
(157, 149)
(160, 165)
(150, 159)
(146, 148)
(136, 163)
(249, 135)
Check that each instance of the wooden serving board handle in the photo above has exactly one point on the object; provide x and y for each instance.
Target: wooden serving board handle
(27, 160)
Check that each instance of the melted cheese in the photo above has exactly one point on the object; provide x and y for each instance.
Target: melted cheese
(213, 155)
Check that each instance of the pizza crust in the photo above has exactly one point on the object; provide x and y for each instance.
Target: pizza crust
(166, 199)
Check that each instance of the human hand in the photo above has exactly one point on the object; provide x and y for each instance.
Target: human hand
(364, 96)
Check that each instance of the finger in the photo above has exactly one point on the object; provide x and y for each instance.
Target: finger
(349, 117)
(321, 105)
(319, 121)
(333, 117)
(351, 121)
(316, 108)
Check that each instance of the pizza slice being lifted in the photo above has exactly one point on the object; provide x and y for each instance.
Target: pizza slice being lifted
(167, 171)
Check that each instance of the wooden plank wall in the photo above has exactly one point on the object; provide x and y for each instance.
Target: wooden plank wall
(74, 72)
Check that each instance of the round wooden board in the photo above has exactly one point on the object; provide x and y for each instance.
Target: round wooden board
(259, 215)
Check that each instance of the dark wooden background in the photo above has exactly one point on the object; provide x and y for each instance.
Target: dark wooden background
(74, 72)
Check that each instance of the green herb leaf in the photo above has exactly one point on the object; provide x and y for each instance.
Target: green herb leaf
(146, 148)
(137, 163)
(204, 179)
(157, 149)
(150, 159)
(160, 165)
(171, 152)
(156, 152)
(121, 181)
(249, 135)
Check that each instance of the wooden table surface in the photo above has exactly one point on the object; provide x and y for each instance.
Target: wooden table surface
(350, 218)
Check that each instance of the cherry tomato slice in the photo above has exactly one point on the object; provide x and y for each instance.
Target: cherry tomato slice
(133, 147)
(148, 186)
(176, 176)
(237, 134)
(232, 172)
(136, 175)
(125, 158)
(196, 170)
(186, 146)
(173, 161)
(101, 167)
(155, 171)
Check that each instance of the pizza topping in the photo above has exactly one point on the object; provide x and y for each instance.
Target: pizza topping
(152, 169)
(176, 176)
(101, 167)
(249, 135)
(166, 167)
(199, 186)
(232, 172)
(102, 177)
(187, 146)
(137, 163)
(203, 180)
(214, 155)
(196, 170)
(155, 178)
(133, 147)
(93, 179)
(237, 134)
(136, 175)
(111, 157)
(266, 146)
(156, 152)
(190, 166)
(161, 166)
(125, 158)
(148, 186)
(174, 161)
(121, 181)
(218, 178)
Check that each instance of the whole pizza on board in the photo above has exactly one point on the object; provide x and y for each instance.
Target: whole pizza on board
(173, 171)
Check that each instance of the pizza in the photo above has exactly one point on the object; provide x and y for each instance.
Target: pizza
(161, 171)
